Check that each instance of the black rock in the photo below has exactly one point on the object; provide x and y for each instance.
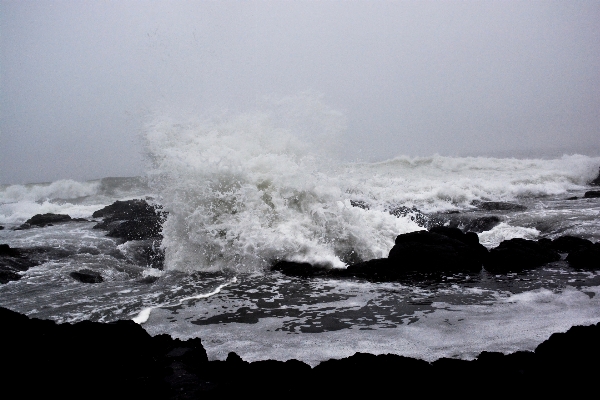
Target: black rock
(498, 206)
(430, 251)
(121, 360)
(1, 227)
(41, 220)
(126, 210)
(586, 258)
(573, 198)
(518, 254)
(87, 276)
(131, 220)
(592, 194)
(567, 244)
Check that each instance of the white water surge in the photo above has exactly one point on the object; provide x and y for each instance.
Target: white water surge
(243, 191)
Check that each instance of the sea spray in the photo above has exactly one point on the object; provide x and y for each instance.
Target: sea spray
(247, 190)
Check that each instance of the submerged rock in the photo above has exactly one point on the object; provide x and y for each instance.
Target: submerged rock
(518, 254)
(87, 276)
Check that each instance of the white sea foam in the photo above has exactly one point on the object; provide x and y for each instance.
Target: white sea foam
(62, 189)
(245, 190)
(504, 231)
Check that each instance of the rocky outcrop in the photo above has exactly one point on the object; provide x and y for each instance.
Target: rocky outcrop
(41, 220)
(121, 360)
(519, 254)
(131, 220)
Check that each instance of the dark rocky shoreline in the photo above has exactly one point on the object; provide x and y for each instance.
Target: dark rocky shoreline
(121, 360)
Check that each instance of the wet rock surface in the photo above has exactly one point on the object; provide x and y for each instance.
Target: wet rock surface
(41, 220)
(519, 254)
(121, 360)
(131, 220)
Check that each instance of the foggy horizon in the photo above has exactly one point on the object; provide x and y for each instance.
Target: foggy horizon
(80, 80)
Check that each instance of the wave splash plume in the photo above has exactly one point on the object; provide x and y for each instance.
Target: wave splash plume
(246, 190)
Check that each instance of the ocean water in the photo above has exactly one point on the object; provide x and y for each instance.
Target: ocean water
(247, 190)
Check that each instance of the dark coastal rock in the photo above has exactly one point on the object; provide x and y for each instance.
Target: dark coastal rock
(568, 244)
(41, 220)
(498, 206)
(1, 227)
(592, 194)
(13, 261)
(121, 360)
(131, 220)
(87, 276)
(585, 258)
(518, 254)
(572, 198)
(447, 249)
(596, 181)
(125, 210)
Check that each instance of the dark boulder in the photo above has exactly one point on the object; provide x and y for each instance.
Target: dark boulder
(48, 219)
(592, 194)
(498, 206)
(519, 254)
(87, 276)
(430, 251)
(568, 244)
(1, 227)
(585, 258)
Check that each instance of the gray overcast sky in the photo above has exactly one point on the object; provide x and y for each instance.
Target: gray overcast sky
(78, 79)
